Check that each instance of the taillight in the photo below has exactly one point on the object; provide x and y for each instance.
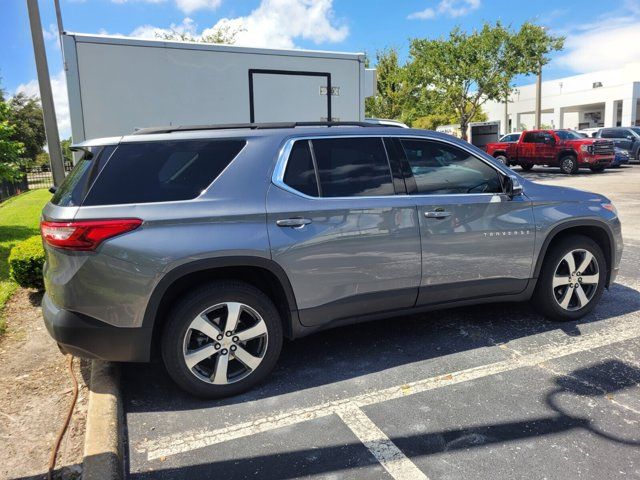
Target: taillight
(85, 235)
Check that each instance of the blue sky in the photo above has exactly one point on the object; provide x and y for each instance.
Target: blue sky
(599, 34)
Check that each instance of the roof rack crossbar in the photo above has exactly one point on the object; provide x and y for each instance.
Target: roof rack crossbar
(253, 126)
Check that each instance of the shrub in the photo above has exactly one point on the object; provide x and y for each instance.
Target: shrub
(26, 261)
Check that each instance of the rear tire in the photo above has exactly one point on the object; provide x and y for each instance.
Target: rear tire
(568, 165)
(221, 339)
(526, 166)
(562, 295)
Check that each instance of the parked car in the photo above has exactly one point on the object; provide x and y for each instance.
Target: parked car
(621, 157)
(588, 132)
(562, 148)
(510, 137)
(386, 122)
(627, 138)
(209, 246)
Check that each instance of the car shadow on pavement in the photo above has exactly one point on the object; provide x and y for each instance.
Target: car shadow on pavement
(358, 350)
(548, 173)
(569, 399)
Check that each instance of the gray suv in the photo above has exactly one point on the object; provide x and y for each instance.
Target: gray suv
(208, 246)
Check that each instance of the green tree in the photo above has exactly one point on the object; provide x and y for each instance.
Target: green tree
(25, 113)
(467, 69)
(67, 154)
(390, 97)
(11, 151)
(225, 34)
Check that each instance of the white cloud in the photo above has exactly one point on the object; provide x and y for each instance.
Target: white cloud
(447, 8)
(61, 103)
(602, 45)
(187, 26)
(274, 23)
(187, 6)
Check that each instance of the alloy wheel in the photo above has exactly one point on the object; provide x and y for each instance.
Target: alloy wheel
(225, 343)
(576, 279)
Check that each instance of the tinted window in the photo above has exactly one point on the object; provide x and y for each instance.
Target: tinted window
(530, 137)
(611, 134)
(161, 171)
(440, 168)
(350, 167)
(79, 180)
(636, 130)
(300, 174)
(568, 135)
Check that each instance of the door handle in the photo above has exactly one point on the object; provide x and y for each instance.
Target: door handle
(293, 222)
(437, 214)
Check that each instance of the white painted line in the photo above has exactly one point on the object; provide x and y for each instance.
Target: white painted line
(386, 452)
(199, 438)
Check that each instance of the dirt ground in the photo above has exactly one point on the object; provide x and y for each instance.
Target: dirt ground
(35, 394)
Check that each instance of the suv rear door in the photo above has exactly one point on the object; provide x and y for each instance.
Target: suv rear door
(476, 241)
(349, 245)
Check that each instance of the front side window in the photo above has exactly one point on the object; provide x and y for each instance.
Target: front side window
(164, 171)
(568, 135)
(352, 167)
(441, 169)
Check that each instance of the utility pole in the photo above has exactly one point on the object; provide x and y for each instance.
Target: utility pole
(506, 113)
(539, 98)
(46, 96)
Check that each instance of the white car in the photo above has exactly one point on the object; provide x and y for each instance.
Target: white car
(510, 137)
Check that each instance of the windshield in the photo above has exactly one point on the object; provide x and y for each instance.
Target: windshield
(636, 129)
(568, 135)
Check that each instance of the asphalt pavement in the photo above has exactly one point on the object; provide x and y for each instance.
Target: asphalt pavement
(486, 392)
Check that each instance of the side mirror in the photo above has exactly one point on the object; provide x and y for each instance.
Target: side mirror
(513, 187)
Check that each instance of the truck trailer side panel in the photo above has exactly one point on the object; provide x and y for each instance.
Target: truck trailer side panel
(116, 85)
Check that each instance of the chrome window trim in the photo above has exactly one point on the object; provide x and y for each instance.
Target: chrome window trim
(283, 157)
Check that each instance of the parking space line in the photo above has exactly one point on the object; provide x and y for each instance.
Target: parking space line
(386, 452)
(194, 439)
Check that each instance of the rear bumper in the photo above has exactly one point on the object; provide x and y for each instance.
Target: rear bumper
(86, 337)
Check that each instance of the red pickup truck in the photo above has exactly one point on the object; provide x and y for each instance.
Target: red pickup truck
(558, 148)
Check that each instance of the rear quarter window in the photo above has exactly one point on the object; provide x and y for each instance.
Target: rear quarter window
(147, 172)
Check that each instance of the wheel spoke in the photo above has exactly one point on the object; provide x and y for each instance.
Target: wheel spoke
(570, 262)
(234, 309)
(219, 376)
(558, 281)
(252, 332)
(204, 325)
(194, 357)
(246, 358)
(582, 297)
(590, 279)
(588, 256)
(566, 298)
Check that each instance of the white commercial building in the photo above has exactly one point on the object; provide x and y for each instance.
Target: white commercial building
(605, 98)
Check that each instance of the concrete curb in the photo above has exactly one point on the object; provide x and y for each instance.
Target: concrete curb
(102, 441)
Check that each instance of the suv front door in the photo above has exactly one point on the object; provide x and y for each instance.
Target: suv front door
(476, 240)
(349, 245)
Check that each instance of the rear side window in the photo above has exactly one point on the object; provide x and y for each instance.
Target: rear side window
(300, 174)
(161, 171)
(352, 167)
(530, 137)
(79, 180)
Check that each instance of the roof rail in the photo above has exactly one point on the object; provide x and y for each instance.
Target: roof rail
(253, 126)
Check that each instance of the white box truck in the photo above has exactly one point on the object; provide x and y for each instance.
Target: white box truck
(118, 84)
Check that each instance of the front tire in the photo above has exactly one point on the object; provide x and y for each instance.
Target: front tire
(221, 339)
(568, 165)
(571, 280)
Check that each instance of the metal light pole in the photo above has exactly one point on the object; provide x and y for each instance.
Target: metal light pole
(46, 96)
(539, 98)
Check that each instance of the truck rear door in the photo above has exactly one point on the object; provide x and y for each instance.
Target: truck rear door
(285, 96)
